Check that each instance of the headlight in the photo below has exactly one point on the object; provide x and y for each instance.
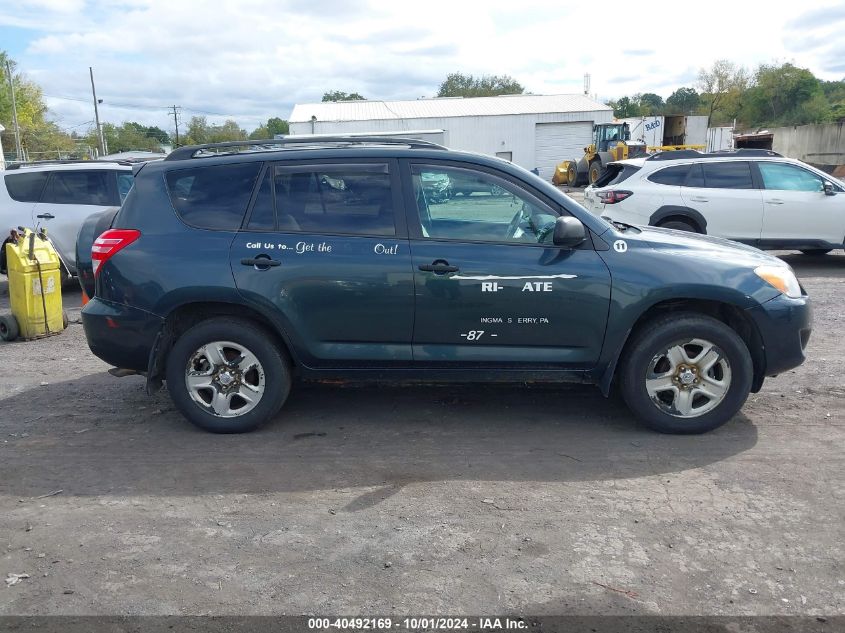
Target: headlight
(781, 278)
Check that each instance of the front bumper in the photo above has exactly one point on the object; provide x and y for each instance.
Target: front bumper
(784, 325)
(120, 335)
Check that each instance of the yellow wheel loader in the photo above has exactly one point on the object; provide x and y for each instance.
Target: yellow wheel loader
(611, 141)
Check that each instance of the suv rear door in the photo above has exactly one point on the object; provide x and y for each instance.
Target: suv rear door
(491, 289)
(727, 194)
(338, 269)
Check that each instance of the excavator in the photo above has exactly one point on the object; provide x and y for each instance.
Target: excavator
(611, 141)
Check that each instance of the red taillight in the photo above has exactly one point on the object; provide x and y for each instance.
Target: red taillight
(612, 197)
(109, 243)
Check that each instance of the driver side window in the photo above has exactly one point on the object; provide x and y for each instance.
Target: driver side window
(464, 204)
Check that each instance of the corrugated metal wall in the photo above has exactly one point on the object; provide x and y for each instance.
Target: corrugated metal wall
(484, 134)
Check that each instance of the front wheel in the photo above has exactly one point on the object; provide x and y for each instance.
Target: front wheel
(572, 174)
(227, 375)
(595, 171)
(686, 373)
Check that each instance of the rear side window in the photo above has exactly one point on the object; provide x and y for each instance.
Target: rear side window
(26, 187)
(213, 197)
(79, 187)
(672, 176)
(343, 199)
(616, 174)
(733, 175)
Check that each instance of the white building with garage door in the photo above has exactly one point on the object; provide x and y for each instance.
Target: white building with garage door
(530, 130)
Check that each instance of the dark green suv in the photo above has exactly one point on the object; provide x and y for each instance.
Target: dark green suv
(232, 270)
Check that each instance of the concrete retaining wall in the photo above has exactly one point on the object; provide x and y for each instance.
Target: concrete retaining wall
(814, 144)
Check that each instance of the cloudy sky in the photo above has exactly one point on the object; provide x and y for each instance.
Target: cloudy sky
(253, 59)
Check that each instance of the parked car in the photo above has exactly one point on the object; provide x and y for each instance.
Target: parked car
(59, 196)
(230, 275)
(756, 197)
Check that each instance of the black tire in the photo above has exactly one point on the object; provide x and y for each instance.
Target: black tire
(595, 171)
(679, 225)
(816, 251)
(572, 174)
(665, 332)
(9, 329)
(252, 337)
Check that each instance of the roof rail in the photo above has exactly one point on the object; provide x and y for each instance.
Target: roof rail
(64, 161)
(691, 153)
(296, 142)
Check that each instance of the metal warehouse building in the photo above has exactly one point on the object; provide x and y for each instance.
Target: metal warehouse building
(530, 130)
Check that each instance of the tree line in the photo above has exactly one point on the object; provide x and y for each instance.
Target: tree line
(773, 95)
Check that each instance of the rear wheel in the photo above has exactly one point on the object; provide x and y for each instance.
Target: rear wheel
(686, 373)
(679, 225)
(9, 329)
(227, 375)
(816, 251)
(595, 171)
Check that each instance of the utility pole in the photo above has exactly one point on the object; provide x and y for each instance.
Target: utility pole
(15, 114)
(176, 122)
(97, 114)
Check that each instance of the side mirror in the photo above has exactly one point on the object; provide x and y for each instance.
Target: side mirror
(828, 188)
(569, 232)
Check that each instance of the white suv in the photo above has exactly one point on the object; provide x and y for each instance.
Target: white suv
(59, 196)
(751, 196)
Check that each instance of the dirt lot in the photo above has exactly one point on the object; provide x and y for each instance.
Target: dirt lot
(421, 500)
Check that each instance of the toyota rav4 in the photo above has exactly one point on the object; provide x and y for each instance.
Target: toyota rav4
(231, 270)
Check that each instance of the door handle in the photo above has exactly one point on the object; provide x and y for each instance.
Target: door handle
(262, 262)
(45, 216)
(774, 201)
(438, 267)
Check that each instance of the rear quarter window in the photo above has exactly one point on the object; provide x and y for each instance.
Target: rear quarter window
(213, 196)
(26, 187)
(616, 174)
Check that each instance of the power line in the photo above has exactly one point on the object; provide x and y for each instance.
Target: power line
(141, 107)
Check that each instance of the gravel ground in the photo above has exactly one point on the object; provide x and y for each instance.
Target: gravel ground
(420, 500)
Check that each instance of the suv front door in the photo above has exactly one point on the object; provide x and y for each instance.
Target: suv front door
(491, 288)
(725, 193)
(338, 266)
(796, 209)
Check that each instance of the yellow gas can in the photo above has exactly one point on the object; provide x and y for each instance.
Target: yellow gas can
(35, 289)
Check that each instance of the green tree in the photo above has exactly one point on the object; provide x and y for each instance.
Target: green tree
(339, 95)
(722, 87)
(785, 95)
(460, 85)
(683, 101)
(39, 136)
(128, 136)
(625, 107)
(651, 104)
(275, 125)
(197, 131)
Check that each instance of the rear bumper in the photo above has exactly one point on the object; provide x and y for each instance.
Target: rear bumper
(784, 325)
(120, 335)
